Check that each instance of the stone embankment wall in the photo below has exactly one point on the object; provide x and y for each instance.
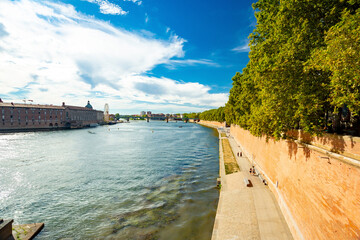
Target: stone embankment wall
(212, 123)
(318, 192)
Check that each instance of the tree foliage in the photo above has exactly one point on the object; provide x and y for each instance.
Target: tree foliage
(213, 115)
(341, 58)
(191, 115)
(304, 63)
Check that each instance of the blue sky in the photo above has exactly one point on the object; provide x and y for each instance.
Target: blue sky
(152, 55)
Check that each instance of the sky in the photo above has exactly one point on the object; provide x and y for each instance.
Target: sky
(164, 56)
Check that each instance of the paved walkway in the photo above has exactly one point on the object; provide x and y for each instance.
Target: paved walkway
(247, 212)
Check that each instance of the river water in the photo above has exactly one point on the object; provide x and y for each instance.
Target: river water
(133, 180)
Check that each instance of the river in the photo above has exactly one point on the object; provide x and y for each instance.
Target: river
(135, 180)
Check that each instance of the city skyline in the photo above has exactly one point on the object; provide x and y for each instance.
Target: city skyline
(135, 55)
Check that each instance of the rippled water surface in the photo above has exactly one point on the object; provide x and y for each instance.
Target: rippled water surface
(133, 180)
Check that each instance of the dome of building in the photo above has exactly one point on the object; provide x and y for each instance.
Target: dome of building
(88, 105)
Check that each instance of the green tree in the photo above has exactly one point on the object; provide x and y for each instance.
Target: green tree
(243, 96)
(213, 115)
(191, 115)
(341, 59)
(276, 91)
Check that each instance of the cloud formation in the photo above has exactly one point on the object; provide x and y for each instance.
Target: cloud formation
(51, 53)
(242, 48)
(138, 2)
(107, 7)
(172, 64)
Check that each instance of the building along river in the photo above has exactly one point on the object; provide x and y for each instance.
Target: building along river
(140, 180)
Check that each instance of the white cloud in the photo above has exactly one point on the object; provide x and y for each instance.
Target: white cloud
(160, 91)
(50, 53)
(242, 48)
(190, 62)
(138, 2)
(107, 7)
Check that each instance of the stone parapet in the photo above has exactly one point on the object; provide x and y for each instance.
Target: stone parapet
(5, 229)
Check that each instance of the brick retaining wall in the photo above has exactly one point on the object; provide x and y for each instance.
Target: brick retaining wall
(212, 123)
(319, 195)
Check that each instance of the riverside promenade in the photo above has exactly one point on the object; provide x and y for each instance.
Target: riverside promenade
(246, 212)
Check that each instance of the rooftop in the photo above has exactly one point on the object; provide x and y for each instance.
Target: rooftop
(23, 105)
(46, 106)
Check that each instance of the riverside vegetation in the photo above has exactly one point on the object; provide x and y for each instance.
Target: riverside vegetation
(230, 163)
(303, 71)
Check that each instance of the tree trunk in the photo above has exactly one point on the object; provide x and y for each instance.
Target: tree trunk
(336, 122)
